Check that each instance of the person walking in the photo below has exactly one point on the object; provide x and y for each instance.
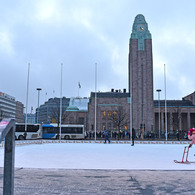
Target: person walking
(106, 135)
(191, 136)
(178, 136)
(133, 136)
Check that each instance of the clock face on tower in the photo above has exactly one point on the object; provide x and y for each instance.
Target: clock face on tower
(141, 27)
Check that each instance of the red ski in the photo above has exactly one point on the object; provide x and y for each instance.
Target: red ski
(186, 162)
(185, 154)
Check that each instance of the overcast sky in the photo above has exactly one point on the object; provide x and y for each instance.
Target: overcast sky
(80, 33)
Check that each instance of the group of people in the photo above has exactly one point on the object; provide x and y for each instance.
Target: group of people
(191, 136)
(120, 135)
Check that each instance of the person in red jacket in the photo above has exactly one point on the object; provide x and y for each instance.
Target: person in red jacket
(191, 136)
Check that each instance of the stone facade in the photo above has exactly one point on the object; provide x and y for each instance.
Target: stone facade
(180, 115)
(108, 104)
(190, 97)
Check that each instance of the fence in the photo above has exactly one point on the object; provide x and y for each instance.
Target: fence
(7, 133)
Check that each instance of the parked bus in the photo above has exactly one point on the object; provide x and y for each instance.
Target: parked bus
(52, 131)
(33, 131)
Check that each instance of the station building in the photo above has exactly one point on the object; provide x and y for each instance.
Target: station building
(180, 115)
(113, 108)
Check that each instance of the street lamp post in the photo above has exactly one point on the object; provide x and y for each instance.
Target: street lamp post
(38, 89)
(95, 100)
(159, 90)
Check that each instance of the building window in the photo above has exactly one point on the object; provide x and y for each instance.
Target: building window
(71, 120)
(109, 113)
(109, 126)
(114, 114)
(114, 126)
(81, 120)
(104, 114)
(103, 126)
(92, 127)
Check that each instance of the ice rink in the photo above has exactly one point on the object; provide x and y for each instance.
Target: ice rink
(101, 156)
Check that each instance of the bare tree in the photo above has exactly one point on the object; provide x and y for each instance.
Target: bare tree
(177, 117)
(119, 118)
(55, 111)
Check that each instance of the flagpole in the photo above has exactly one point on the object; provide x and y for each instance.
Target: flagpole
(165, 101)
(27, 99)
(79, 86)
(61, 104)
(95, 99)
(78, 89)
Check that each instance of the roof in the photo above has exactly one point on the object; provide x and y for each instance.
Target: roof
(174, 103)
(72, 108)
(110, 94)
(78, 104)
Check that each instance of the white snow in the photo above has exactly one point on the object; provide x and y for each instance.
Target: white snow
(101, 156)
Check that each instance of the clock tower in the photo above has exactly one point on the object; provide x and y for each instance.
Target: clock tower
(141, 76)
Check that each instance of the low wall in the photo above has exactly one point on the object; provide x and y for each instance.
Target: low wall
(27, 142)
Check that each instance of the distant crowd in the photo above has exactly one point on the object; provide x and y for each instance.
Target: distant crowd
(112, 135)
(124, 135)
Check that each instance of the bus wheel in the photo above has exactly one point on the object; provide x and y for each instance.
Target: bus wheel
(21, 137)
(66, 137)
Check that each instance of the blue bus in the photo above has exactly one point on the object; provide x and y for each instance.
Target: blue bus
(52, 131)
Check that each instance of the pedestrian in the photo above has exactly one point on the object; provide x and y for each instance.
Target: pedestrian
(120, 134)
(90, 135)
(191, 136)
(86, 134)
(106, 135)
(185, 135)
(152, 135)
(178, 136)
(133, 136)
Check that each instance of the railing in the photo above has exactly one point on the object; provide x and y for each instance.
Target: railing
(7, 132)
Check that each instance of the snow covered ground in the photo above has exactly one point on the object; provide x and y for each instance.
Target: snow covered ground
(101, 156)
